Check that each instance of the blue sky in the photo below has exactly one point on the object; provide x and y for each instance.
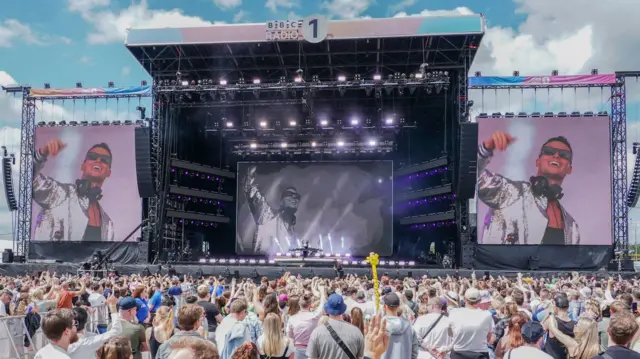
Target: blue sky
(62, 42)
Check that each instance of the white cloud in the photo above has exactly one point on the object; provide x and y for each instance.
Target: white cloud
(401, 5)
(239, 16)
(227, 4)
(346, 9)
(13, 31)
(274, 5)
(112, 26)
(126, 71)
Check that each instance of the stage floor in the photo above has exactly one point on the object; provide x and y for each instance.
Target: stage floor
(20, 269)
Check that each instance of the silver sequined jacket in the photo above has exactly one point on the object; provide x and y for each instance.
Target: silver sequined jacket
(272, 231)
(514, 210)
(62, 210)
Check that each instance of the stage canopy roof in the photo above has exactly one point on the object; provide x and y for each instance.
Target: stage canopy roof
(363, 46)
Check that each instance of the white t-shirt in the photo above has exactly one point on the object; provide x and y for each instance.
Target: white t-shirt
(3, 309)
(289, 347)
(51, 351)
(437, 338)
(527, 352)
(470, 328)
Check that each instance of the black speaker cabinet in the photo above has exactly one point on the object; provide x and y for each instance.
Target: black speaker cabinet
(467, 161)
(146, 187)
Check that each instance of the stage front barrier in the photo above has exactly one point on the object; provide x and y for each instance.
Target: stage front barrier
(13, 336)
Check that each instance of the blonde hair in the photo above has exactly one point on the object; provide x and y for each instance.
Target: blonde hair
(273, 338)
(115, 348)
(163, 323)
(586, 334)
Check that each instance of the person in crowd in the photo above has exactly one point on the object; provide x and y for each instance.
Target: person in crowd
(162, 329)
(513, 339)
(131, 330)
(88, 343)
(115, 348)
(84, 219)
(58, 328)
(357, 318)
(293, 308)
(404, 341)
(533, 204)
(408, 301)
(302, 324)
(336, 339)
(189, 318)
(623, 330)
(100, 310)
(65, 299)
(432, 330)
(247, 350)
(584, 344)
(193, 348)
(532, 336)
(471, 328)
(564, 324)
(233, 331)
(367, 307)
(272, 343)
(211, 311)
(155, 301)
(6, 296)
(140, 295)
(271, 305)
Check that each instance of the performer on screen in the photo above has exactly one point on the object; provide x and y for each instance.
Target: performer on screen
(272, 224)
(72, 211)
(527, 212)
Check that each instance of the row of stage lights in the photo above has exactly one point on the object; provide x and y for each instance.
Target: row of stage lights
(331, 257)
(110, 84)
(179, 197)
(432, 199)
(438, 224)
(540, 114)
(344, 259)
(316, 147)
(199, 175)
(391, 122)
(198, 223)
(395, 78)
(428, 173)
(91, 123)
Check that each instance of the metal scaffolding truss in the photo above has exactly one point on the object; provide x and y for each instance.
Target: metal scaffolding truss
(619, 211)
(27, 146)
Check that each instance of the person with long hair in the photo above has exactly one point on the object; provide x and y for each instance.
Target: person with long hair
(271, 305)
(513, 338)
(141, 297)
(584, 344)
(293, 308)
(163, 329)
(247, 350)
(272, 343)
(115, 348)
(357, 318)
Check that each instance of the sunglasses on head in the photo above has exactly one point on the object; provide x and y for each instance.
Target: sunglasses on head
(550, 151)
(92, 156)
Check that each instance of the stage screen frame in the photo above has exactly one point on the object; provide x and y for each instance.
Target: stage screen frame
(387, 227)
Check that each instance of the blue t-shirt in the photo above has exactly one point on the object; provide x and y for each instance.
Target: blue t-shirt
(155, 301)
(175, 291)
(143, 312)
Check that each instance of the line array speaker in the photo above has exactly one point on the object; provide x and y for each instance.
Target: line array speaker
(144, 171)
(8, 184)
(468, 161)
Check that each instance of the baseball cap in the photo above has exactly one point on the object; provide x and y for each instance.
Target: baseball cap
(335, 305)
(532, 332)
(127, 303)
(451, 296)
(561, 302)
(391, 300)
(472, 295)
(360, 295)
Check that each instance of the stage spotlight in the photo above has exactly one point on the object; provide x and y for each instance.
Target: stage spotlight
(256, 81)
(292, 123)
(185, 83)
(340, 143)
(263, 124)
(253, 145)
(324, 123)
(418, 75)
(342, 78)
(377, 77)
(313, 144)
(372, 143)
(297, 79)
(388, 121)
(283, 145)
(354, 122)
(229, 124)
(223, 82)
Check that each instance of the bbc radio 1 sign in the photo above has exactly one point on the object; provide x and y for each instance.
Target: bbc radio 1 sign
(312, 29)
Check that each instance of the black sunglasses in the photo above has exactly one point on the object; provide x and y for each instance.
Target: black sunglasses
(292, 195)
(92, 156)
(550, 151)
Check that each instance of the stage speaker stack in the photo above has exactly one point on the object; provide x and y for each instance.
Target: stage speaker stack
(467, 161)
(7, 256)
(146, 186)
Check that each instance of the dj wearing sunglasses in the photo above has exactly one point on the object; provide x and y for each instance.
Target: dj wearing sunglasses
(527, 212)
(72, 211)
(272, 224)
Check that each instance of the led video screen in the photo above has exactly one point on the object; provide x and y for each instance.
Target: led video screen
(544, 181)
(339, 207)
(84, 184)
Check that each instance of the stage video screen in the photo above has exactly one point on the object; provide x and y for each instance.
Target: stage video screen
(544, 181)
(84, 184)
(339, 207)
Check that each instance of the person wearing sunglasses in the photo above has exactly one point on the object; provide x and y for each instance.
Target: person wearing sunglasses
(527, 212)
(272, 224)
(72, 211)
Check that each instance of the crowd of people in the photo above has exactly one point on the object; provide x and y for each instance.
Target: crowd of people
(163, 317)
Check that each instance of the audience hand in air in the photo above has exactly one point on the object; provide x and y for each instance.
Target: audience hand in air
(376, 340)
(52, 148)
(499, 140)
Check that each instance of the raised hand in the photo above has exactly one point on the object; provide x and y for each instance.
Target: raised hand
(499, 140)
(52, 148)
(376, 340)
